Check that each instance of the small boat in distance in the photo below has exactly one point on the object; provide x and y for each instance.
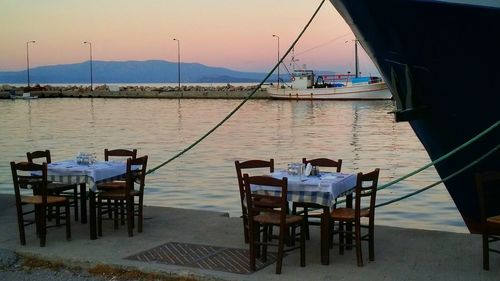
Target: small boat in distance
(331, 87)
(25, 96)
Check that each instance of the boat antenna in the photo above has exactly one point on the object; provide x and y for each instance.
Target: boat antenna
(356, 61)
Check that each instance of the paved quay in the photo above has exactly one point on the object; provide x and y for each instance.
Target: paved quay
(400, 254)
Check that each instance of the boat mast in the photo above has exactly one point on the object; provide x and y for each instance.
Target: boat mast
(356, 62)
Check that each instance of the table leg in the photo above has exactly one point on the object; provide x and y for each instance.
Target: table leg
(325, 229)
(348, 241)
(83, 202)
(92, 214)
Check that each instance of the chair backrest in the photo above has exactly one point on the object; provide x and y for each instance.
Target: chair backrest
(366, 186)
(324, 162)
(119, 153)
(45, 154)
(26, 175)
(250, 164)
(257, 203)
(488, 189)
(136, 173)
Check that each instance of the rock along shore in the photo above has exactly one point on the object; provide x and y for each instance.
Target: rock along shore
(104, 91)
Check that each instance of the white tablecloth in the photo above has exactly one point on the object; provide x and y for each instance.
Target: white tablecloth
(72, 173)
(322, 189)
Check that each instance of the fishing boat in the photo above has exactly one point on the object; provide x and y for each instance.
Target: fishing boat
(304, 85)
(427, 52)
(24, 96)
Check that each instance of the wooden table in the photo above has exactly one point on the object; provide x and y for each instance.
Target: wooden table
(322, 190)
(87, 176)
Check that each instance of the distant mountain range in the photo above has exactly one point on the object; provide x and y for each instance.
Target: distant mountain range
(151, 71)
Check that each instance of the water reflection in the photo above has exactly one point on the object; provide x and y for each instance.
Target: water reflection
(360, 133)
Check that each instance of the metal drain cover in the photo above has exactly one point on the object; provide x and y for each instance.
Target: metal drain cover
(202, 256)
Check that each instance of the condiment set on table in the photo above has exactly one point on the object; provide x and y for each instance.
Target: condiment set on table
(301, 169)
(85, 158)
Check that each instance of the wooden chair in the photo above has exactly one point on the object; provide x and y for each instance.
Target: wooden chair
(136, 173)
(25, 176)
(268, 211)
(318, 162)
(366, 187)
(250, 164)
(488, 185)
(56, 188)
(114, 154)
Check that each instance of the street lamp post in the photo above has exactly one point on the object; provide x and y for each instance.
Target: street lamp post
(28, 61)
(91, 78)
(178, 62)
(274, 35)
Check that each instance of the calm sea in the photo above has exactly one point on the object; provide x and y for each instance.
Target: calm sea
(362, 133)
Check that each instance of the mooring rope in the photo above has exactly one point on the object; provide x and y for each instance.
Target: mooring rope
(244, 101)
(440, 181)
(444, 157)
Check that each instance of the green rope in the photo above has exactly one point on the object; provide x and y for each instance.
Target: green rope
(244, 101)
(447, 155)
(441, 181)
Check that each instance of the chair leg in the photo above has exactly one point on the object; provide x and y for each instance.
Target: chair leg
(37, 221)
(371, 244)
(75, 201)
(20, 224)
(245, 228)
(99, 216)
(341, 237)
(140, 216)
(130, 216)
(43, 226)
(67, 218)
(303, 227)
(252, 252)
(486, 252)
(357, 235)
(281, 245)
(306, 219)
(265, 238)
(294, 232)
(58, 214)
(115, 213)
(122, 207)
(109, 208)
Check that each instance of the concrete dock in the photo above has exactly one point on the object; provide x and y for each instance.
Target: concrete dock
(400, 254)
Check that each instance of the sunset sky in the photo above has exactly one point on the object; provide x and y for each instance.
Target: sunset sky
(236, 34)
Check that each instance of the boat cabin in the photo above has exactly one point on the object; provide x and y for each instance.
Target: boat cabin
(302, 79)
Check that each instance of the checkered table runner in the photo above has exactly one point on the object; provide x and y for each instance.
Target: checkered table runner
(71, 173)
(322, 190)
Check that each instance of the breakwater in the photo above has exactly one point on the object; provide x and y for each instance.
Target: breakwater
(103, 91)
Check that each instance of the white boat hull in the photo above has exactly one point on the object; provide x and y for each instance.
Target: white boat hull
(375, 91)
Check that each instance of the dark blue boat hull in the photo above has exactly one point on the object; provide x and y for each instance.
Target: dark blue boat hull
(441, 62)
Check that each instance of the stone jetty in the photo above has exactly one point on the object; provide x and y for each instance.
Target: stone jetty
(104, 91)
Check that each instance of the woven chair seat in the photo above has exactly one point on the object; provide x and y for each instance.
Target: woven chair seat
(118, 194)
(37, 200)
(274, 218)
(493, 223)
(58, 187)
(348, 214)
(494, 220)
(111, 185)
